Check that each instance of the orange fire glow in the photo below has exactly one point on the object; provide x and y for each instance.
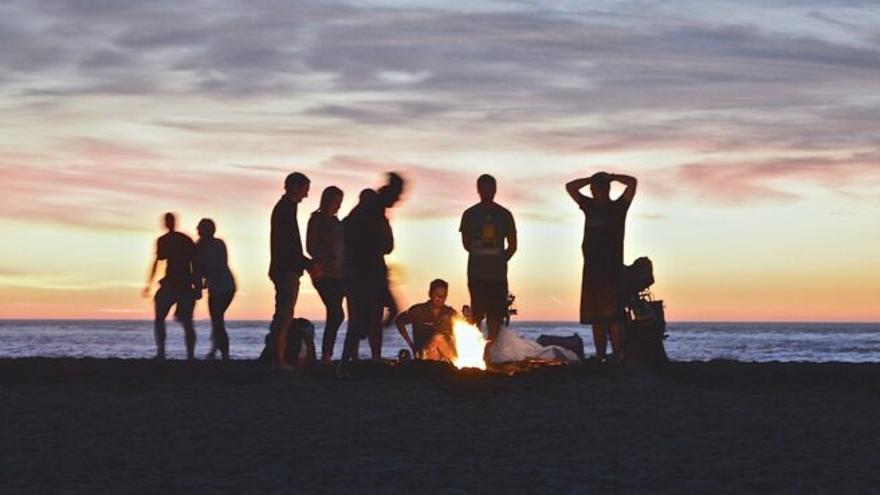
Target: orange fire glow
(469, 346)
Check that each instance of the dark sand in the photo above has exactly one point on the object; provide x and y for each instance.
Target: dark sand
(106, 426)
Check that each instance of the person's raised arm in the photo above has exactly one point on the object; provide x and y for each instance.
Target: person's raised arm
(574, 188)
(630, 182)
(402, 321)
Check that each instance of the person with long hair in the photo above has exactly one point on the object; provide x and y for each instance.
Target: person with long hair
(324, 243)
(211, 270)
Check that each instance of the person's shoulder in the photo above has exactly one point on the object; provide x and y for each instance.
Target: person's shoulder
(183, 238)
(473, 210)
(502, 209)
(282, 205)
(450, 311)
(417, 311)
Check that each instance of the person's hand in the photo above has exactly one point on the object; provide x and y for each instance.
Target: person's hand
(145, 292)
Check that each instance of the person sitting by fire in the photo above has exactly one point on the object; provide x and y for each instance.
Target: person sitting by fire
(432, 325)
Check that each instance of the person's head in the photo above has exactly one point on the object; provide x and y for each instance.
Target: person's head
(297, 186)
(390, 193)
(466, 311)
(331, 200)
(366, 195)
(487, 187)
(438, 291)
(170, 221)
(600, 186)
(206, 228)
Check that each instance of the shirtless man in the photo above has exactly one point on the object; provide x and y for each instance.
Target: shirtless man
(432, 325)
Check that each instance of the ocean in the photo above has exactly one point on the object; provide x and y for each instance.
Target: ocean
(810, 342)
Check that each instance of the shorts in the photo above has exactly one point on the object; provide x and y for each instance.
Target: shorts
(183, 299)
(488, 298)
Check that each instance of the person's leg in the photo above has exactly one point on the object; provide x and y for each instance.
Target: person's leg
(353, 333)
(375, 309)
(217, 306)
(162, 305)
(599, 339)
(184, 313)
(330, 291)
(375, 334)
(615, 334)
(495, 294)
(286, 292)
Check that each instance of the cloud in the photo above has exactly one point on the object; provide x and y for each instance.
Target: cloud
(756, 183)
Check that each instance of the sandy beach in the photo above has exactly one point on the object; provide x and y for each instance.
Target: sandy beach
(117, 426)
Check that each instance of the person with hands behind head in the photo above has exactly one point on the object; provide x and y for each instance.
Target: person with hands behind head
(602, 247)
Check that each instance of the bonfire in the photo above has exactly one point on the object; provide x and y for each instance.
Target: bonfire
(470, 345)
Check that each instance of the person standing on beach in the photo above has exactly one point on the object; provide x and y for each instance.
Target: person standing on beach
(604, 226)
(287, 262)
(325, 242)
(211, 269)
(488, 234)
(368, 238)
(176, 288)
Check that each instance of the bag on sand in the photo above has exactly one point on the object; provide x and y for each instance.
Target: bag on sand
(644, 333)
(573, 343)
(300, 349)
(510, 348)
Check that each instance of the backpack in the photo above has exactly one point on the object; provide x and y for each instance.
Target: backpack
(300, 349)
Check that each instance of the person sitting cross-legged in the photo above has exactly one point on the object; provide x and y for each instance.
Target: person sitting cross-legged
(432, 325)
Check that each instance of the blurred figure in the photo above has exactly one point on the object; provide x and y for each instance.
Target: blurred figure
(368, 238)
(488, 234)
(325, 242)
(466, 313)
(211, 270)
(287, 263)
(176, 288)
(604, 226)
(432, 325)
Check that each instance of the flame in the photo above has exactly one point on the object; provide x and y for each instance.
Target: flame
(469, 345)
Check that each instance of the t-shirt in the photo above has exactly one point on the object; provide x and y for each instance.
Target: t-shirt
(487, 226)
(325, 240)
(211, 263)
(426, 324)
(285, 243)
(604, 229)
(177, 249)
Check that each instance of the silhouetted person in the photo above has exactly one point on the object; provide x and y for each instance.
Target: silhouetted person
(510, 309)
(325, 244)
(432, 325)
(175, 288)
(368, 238)
(288, 262)
(488, 234)
(211, 270)
(466, 313)
(604, 226)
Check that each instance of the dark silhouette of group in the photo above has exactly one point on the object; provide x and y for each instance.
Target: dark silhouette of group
(189, 269)
(346, 260)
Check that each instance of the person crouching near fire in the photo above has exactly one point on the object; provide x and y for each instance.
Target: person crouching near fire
(432, 325)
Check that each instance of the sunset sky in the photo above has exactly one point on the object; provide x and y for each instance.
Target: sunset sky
(753, 128)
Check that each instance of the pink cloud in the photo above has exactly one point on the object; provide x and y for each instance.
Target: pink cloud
(765, 181)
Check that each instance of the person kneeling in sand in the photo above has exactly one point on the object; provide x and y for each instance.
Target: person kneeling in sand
(432, 325)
